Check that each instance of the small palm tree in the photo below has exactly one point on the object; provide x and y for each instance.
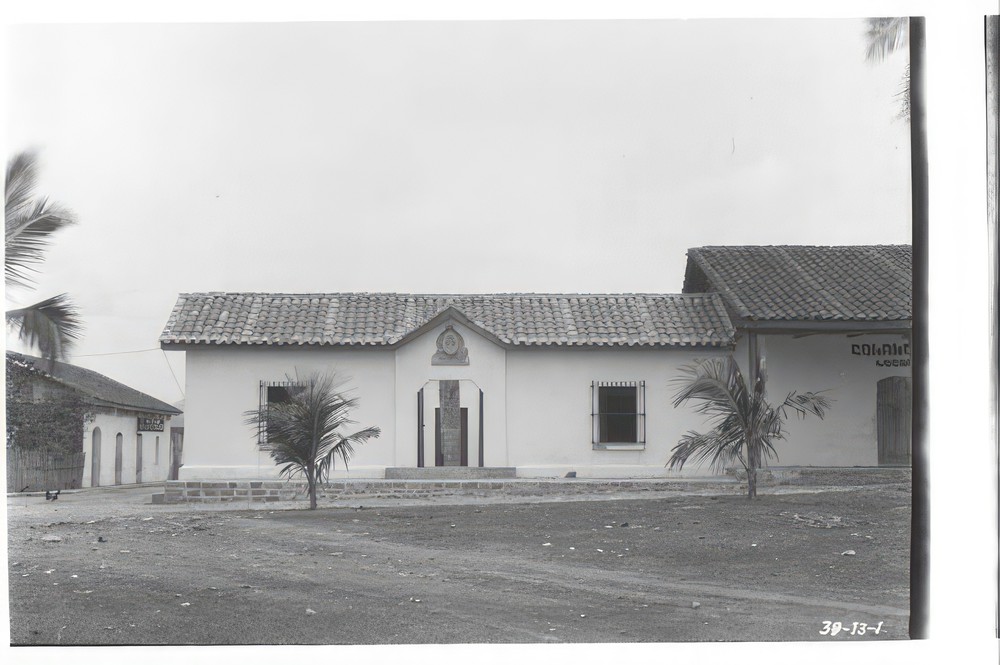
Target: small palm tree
(745, 423)
(304, 433)
(52, 324)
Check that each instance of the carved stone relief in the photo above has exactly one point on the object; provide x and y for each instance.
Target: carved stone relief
(450, 348)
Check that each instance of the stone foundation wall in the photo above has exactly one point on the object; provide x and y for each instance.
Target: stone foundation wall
(827, 476)
(205, 491)
(188, 491)
(258, 491)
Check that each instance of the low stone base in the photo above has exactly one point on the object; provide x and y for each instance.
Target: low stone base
(825, 475)
(262, 491)
(213, 491)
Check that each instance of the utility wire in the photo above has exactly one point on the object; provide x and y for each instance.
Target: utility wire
(122, 353)
(115, 353)
(176, 382)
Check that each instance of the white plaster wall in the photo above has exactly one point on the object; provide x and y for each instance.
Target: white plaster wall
(223, 383)
(486, 371)
(550, 427)
(156, 468)
(537, 405)
(112, 422)
(847, 436)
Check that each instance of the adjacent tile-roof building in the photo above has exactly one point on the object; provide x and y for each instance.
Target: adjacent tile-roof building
(869, 285)
(96, 388)
(386, 319)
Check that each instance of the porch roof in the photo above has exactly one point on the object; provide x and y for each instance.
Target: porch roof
(387, 319)
(864, 284)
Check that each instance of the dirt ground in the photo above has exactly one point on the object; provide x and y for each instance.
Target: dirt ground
(684, 567)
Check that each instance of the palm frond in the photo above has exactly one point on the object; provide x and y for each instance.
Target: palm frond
(815, 403)
(903, 96)
(719, 449)
(30, 223)
(19, 185)
(51, 325)
(744, 424)
(717, 385)
(305, 433)
(885, 35)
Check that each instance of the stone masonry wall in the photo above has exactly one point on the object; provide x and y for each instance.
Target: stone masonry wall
(204, 491)
(259, 491)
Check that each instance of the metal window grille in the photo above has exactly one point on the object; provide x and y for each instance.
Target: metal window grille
(618, 412)
(265, 396)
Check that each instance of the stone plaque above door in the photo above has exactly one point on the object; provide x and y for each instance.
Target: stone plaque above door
(450, 348)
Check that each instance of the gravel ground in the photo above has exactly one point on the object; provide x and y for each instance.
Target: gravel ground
(689, 566)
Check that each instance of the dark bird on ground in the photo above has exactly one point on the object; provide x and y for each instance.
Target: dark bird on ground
(100, 539)
(51, 496)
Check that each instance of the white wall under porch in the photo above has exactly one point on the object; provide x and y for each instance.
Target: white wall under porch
(848, 373)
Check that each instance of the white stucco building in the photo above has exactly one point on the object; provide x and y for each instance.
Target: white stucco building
(553, 383)
(544, 383)
(126, 434)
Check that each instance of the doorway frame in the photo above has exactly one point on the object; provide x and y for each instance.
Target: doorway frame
(421, 424)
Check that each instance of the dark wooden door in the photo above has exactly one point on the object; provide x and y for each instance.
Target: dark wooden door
(894, 417)
(138, 458)
(95, 458)
(118, 459)
(176, 451)
(438, 453)
(420, 427)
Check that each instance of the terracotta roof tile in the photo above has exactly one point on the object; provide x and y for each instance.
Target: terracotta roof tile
(806, 283)
(387, 318)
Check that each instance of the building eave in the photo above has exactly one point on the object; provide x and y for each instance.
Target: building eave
(821, 327)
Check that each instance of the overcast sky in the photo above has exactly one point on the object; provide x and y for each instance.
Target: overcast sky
(553, 156)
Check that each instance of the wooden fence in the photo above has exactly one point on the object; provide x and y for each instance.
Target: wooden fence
(37, 470)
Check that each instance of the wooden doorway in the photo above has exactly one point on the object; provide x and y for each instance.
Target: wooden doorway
(118, 459)
(95, 457)
(176, 449)
(138, 458)
(894, 409)
(438, 452)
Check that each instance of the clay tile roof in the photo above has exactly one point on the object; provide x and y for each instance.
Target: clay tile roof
(97, 388)
(806, 283)
(387, 318)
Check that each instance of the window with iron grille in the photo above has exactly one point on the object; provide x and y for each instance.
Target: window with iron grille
(273, 392)
(618, 413)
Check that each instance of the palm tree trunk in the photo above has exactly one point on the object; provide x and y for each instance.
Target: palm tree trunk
(311, 480)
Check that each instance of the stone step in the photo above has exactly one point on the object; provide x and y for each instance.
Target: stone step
(450, 473)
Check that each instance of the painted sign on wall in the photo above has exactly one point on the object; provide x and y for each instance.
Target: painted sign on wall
(154, 424)
(889, 354)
